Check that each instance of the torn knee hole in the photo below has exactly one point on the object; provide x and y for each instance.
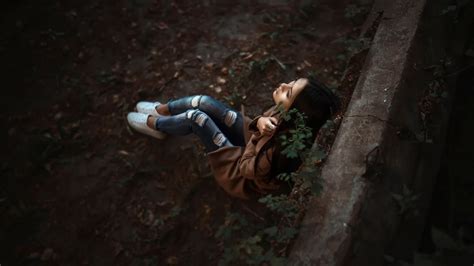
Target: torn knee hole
(195, 101)
(230, 118)
(198, 117)
(189, 114)
(219, 139)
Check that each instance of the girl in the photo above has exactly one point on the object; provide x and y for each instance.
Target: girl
(244, 154)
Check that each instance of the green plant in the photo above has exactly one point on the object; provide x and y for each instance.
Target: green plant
(253, 244)
(406, 200)
(281, 204)
(233, 222)
(268, 242)
(294, 143)
(287, 176)
(308, 176)
(281, 235)
(248, 249)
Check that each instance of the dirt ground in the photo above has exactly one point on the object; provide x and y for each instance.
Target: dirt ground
(78, 186)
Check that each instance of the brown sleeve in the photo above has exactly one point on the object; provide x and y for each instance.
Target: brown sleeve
(255, 165)
(253, 126)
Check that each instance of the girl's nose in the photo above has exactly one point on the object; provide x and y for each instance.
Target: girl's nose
(286, 86)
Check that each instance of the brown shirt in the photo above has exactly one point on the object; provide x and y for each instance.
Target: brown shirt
(244, 171)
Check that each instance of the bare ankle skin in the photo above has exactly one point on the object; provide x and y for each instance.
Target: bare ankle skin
(163, 109)
(151, 122)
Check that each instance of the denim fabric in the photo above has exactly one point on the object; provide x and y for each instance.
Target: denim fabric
(213, 122)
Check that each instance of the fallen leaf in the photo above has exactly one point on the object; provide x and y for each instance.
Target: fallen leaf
(115, 98)
(248, 57)
(123, 152)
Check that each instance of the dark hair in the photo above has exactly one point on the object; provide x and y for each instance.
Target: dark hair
(318, 104)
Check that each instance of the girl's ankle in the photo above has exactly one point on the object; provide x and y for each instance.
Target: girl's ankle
(151, 121)
(162, 109)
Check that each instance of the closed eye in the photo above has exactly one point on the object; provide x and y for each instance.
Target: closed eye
(290, 91)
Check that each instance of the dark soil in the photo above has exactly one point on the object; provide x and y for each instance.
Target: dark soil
(78, 186)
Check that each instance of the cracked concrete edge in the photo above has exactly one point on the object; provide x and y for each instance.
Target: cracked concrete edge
(326, 231)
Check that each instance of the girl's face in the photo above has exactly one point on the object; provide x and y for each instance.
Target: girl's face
(286, 93)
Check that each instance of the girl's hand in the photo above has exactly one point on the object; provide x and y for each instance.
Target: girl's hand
(267, 125)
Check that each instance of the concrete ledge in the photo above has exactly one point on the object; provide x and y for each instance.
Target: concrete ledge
(333, 219)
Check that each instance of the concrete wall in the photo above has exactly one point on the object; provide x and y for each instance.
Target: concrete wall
(391, 137)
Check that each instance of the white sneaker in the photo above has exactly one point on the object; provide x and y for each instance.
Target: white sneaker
(138, 122)
(148, 108)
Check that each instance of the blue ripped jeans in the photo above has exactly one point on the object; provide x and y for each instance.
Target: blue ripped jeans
(213, 122)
